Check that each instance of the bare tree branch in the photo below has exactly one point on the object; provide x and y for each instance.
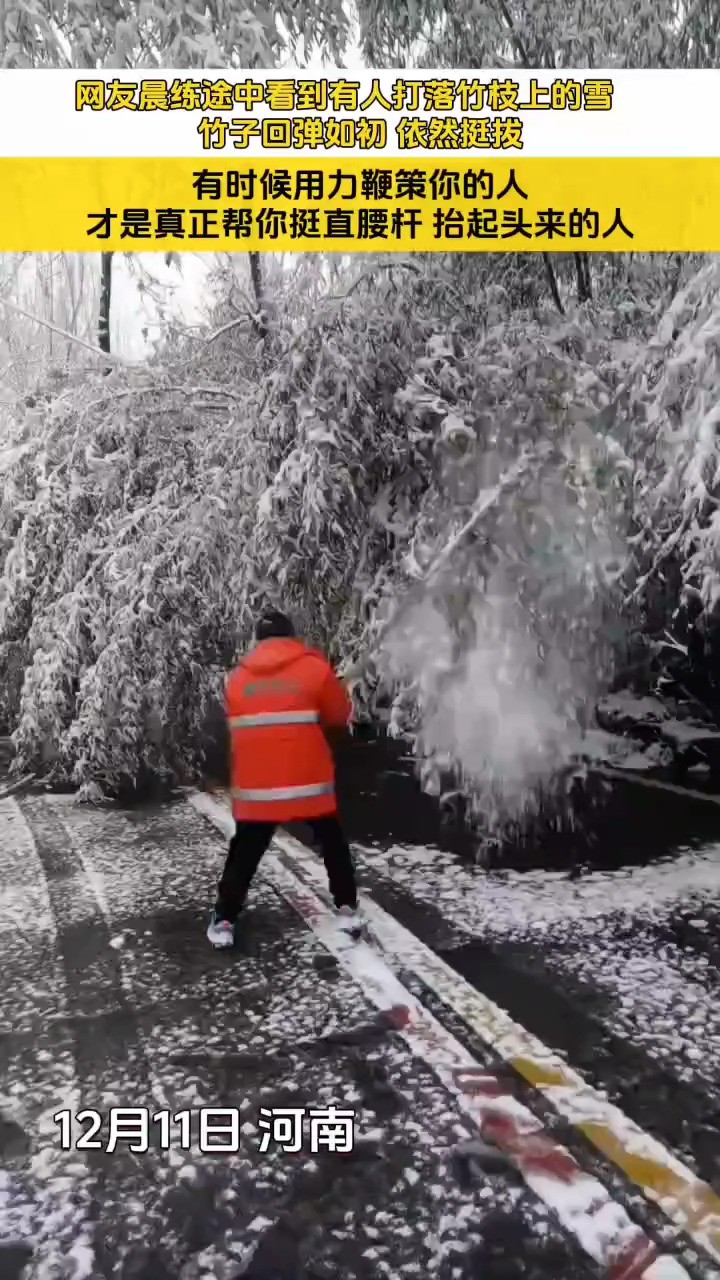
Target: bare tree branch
(227, 327)
(70, 337)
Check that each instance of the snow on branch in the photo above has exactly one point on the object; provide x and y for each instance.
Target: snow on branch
(63, 333)
(146, 516)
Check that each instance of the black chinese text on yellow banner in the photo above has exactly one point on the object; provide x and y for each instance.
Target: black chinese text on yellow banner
(451, 202)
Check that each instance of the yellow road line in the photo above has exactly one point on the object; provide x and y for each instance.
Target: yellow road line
(688, 1202)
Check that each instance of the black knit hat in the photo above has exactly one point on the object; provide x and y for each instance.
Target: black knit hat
(272, 625)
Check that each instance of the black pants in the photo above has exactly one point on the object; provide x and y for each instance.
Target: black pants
(250, 842)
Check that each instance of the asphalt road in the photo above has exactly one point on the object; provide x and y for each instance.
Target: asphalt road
(112, 999)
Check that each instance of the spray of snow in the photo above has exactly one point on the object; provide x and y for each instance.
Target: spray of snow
(492, 717)
(500, 667)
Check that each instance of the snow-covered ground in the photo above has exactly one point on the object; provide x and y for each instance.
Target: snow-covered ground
(112, 999)
(608, 929)
(605, 927)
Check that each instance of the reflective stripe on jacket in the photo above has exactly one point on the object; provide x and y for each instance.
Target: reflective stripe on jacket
(278, 701)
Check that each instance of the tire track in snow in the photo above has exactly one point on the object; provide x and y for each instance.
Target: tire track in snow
(148, 1213)
(231, 1038)
(45, 1193)
(107, 1042)
(164, 974)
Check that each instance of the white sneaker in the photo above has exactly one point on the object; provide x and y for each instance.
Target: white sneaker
(221, 933)
(350, 919)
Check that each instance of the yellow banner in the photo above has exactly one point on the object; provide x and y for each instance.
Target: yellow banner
(359, 205)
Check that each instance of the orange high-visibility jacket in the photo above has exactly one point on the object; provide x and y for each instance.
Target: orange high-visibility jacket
(278, 700)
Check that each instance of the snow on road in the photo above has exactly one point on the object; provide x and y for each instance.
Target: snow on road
(149, 1017)
(611, 932)
(113, 999)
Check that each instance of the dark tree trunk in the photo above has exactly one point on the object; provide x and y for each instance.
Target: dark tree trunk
(584, 279)
(552, 281)
(261, 319)
(105, 302)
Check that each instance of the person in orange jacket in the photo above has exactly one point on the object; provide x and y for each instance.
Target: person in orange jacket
(280, 701)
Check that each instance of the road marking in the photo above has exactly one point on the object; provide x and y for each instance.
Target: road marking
(689, 1203)
(583, 1205)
